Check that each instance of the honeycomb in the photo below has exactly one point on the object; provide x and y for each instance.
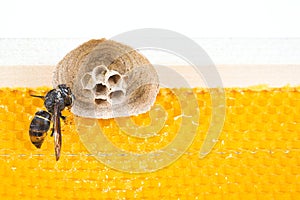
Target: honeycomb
(257, 155)
(104, 85)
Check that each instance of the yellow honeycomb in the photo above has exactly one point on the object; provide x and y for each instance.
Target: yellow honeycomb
(257, 156)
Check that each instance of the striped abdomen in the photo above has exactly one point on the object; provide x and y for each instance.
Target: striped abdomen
(39, 126)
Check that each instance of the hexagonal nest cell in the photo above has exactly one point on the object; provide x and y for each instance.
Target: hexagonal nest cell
(100, 89)
(101, 102)
(108, 79)
(114, 79)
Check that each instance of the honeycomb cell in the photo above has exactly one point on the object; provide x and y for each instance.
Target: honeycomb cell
(257, 155)
(102, 102)
(113, 80)
(98, 73)
(100, 89)
(87, 82)
(116, 97)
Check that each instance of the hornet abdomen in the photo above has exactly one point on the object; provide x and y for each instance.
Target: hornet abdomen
(39, 126)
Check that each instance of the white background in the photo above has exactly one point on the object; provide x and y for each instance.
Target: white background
(89, 19)
(232, 32)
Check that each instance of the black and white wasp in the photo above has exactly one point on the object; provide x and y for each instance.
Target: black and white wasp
(55, 101)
